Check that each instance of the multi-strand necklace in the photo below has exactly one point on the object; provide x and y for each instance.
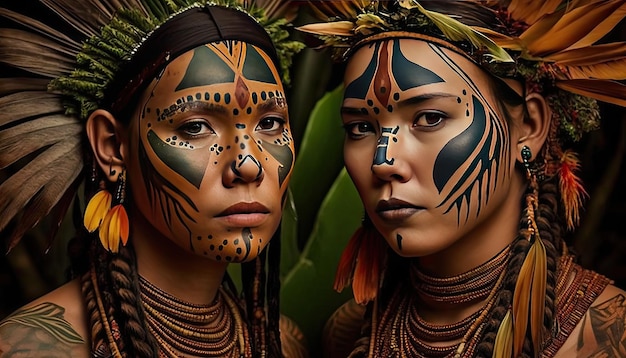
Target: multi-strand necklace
(182, 328)
(402, 332)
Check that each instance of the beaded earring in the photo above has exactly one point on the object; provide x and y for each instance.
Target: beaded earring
(111, 221)
(529, 297)
(361, 263)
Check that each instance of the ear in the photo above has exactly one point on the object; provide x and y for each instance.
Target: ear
(536, 125)
(105, 136)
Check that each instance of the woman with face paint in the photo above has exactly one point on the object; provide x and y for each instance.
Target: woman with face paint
(458, 119)
(175, 114)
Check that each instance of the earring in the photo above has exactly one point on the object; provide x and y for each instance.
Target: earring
(361, 263)
(529, 296)
(114, 227)
(111, 221)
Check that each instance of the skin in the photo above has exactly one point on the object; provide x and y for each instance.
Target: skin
(208, 156)
(433, 156)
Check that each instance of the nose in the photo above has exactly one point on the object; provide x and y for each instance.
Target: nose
(244, 169)
(388, 163)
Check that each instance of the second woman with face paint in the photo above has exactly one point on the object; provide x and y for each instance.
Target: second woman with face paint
(458, 119)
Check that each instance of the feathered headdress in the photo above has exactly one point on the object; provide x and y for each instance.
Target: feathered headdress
(41, 122)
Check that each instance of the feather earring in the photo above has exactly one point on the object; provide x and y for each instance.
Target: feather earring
(530, 290)
(114, 227)
(361, 263)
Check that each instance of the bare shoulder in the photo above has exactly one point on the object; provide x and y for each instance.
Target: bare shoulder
(343, 329)
(51, 326)
(602, 330)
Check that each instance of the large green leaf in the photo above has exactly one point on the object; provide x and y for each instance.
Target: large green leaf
(319, 160)
(307, 295)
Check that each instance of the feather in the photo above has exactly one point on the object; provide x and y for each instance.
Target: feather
(37, 187)
(502, 346)
(97, 208)
(86, 16)
(538, 294)
(19, 106)
(33, 53)
(601, 29)
(21, 140)
(571, 188)
(338, 28)
(345, 268)
(368, 266)
(114, 228)
(457, 31)
(590, 55)
(529, 11)
(529, 297)
(502, 40)
(574, 26)
(602, 90)
(521, 301)
(13, 84)
(63, 40)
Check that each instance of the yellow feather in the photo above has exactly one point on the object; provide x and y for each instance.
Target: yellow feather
(602, 90)
(538, 294)
(96, 210)
(570, 28)
(502, 347)
(521, 301)
(338, 28)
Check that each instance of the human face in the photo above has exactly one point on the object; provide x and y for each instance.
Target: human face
(426, 146)
(212, 153)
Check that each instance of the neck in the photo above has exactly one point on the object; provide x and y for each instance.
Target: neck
(177, 271)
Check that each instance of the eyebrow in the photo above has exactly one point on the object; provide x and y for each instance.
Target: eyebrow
(197, 106)
(425, 97)
(271, 104)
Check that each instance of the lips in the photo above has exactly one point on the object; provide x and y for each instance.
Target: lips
(244, 215)
(396, 210)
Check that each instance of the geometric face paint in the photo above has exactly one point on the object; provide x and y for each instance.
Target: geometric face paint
(427, 146)
(212, 152)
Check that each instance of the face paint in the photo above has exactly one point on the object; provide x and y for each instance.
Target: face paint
(425, 144)
(214, 151)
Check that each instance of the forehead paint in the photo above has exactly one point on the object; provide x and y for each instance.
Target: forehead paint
(206, 68)
(178, 159)
(376, 74)
(485, 135)
(255, 67)
(380, 157)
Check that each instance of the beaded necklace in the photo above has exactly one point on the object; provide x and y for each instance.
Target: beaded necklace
(401, 331)
(183, 328)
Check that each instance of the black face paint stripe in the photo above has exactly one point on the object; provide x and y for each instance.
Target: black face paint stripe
(206, 68)
(246, 236)
(380, 157)
(255, 67)
(459, 151)
(179, 159)
(358, 88)
(284, 156)
(399, 241)
(419, 76)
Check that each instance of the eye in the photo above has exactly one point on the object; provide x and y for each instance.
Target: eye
(429, 120)
(196, 128)
(270, 124)
(358, 130)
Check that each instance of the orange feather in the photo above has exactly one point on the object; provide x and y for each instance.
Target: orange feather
(602, 90)
(572, 190)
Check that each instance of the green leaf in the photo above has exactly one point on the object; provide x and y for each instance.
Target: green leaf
(307, 295)
(319, 160)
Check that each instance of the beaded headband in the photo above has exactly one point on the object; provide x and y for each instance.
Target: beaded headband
(42, 125)
(550, 45)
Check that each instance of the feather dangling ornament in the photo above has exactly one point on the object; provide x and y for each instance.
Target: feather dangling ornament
(571, 188)
(114, 228)
(97, 209)
(361, 263)
(503, 344)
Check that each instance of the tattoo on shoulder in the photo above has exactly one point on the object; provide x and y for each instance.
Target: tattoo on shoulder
(607, 324)
(39, 328)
